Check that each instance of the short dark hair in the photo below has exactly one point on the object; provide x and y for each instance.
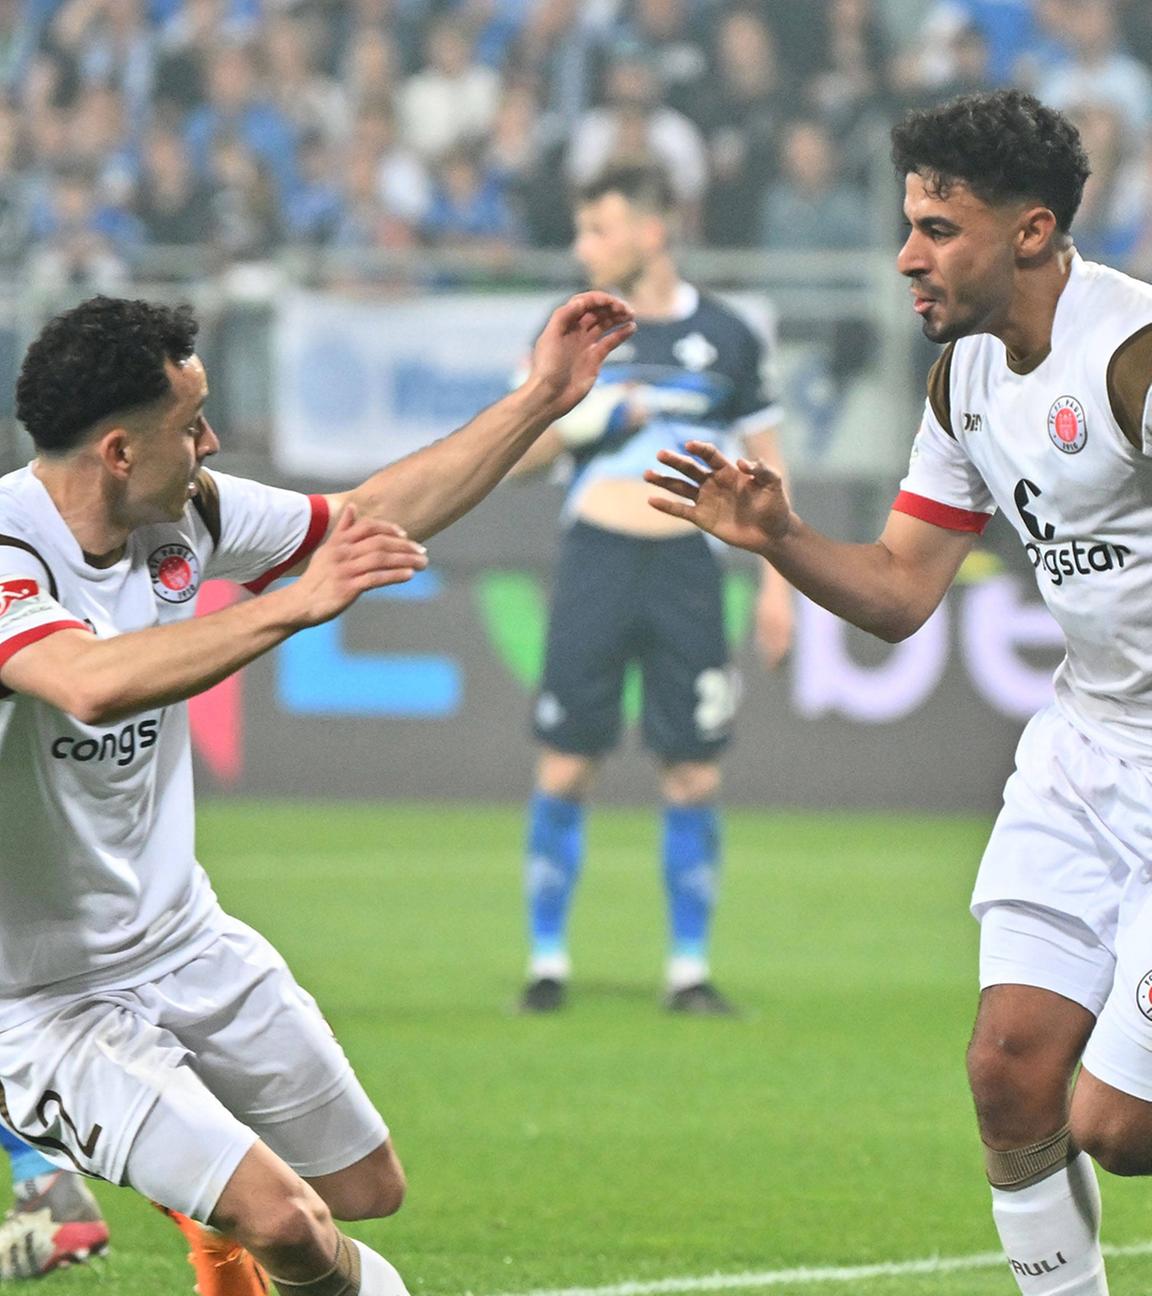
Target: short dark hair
(105, 356)
(645, 186)
(1003, 145)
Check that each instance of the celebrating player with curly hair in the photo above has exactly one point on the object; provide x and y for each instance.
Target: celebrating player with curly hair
(145, 1036)
(1039, 406)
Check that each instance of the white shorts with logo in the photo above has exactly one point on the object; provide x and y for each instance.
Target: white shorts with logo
(1064, 892)
(166, 1086)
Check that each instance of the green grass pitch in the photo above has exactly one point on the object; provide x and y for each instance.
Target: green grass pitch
(828, 1127)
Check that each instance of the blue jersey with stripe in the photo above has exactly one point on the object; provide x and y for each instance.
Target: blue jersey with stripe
(697, 374)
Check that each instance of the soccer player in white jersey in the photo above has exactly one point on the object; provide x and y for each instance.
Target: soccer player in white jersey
(1039, 406)
(146, 1037)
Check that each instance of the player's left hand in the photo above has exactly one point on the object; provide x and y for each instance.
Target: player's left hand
(575, 342)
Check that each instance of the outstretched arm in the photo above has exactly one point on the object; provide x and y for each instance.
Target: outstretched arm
(100, 681)
(889, 588)
(428, 490)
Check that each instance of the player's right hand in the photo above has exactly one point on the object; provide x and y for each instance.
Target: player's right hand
(360, 554)
(742, 503)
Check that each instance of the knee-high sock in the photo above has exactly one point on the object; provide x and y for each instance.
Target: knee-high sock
(27, 1163)
(1051, 1232)
(554, 858)
(691, 866)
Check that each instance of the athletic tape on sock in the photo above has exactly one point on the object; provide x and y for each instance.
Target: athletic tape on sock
(343, 1279)
(1020, 1167)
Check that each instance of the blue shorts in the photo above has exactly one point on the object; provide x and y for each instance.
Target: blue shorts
(619, 599)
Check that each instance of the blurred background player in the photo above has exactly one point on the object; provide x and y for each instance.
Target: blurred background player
(632, 586)
(54, 1220)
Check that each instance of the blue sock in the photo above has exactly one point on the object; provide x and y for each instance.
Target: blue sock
(555, 854)
(27, 1163)
(691, 865)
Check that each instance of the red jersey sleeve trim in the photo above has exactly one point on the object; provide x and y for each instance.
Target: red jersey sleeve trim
(941, 515)
(10, 647)
(317, 529)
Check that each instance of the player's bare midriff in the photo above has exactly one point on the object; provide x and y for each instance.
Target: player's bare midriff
(623, 506)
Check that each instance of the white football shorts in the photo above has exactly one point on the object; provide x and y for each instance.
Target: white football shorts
(1064, 891)
(165, 1086)
(1119, 1051)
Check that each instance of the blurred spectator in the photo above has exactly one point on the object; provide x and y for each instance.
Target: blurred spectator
(1007, 26)
(810, 206)
(101, 142)
(851, 81)
(203, 24)
(366, 222)
(315, 208)
(304, 96)
(1114, 213)
(403, 185)
(371, 72)
(453, 98)
(113, 45)
(515, 157)
(173, 204)
(558, 48)
(1098, 70)
(497, 24)
(51, 81)
(403, 21)
(18, 38)
(186, 41)
(671, 34)
(245, 212)
(1136, 26)
(968, 71)
(80, 241)
(741, 111)
(635, 127)
(798, 31)
(47, 135)
(236, 106)
(469, 207)
(15, 192)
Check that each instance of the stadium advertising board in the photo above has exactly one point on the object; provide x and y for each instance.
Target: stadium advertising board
(425, 690)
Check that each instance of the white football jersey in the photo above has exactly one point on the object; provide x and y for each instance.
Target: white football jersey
(99, 883)
(1063, 447)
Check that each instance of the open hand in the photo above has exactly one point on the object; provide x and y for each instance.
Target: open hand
(360, 554)
(577, 339)
(741, 503)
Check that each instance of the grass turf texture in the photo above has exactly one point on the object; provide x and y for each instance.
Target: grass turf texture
(830, 1126)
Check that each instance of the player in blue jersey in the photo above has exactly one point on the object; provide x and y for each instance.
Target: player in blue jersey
(629, 587)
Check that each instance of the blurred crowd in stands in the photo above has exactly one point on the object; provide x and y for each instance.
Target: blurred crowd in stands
(244, 127)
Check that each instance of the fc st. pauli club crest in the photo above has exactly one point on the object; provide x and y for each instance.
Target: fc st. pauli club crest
(175, 572)
(1067, 427)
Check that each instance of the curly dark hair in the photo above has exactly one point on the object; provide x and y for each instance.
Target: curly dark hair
(1003, 145)
(105, 356)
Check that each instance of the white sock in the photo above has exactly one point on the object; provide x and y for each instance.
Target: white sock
(684, 970)
(550, 967)
(1051, 1233)
(377, 1276)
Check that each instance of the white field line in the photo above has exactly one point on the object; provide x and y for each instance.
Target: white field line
(796, 1277)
